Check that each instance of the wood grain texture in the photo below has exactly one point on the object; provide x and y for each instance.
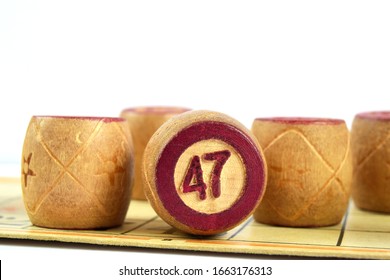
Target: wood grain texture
(77, 171)
(214, 200)
(309, 171)
(186, 159)
(370, 143)
(362, 235)
(143, 123)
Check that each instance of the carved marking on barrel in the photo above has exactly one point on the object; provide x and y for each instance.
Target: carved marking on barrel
(27, 171)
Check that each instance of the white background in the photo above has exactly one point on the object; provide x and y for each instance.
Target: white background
(244, 58)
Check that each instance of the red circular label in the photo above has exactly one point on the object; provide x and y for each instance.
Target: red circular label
(252, 190)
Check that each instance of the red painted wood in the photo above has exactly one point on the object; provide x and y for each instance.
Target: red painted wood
(220, 159)
(195, 170)
(254, 185)
(156, 110)
(104, 119)
(303, 120)
(377, 115)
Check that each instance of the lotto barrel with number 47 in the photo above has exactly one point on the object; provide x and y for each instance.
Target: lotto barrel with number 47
(204, 172)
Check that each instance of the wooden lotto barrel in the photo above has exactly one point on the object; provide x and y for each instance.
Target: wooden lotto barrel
(143, 123)
(309, 171)
(204, 172)
(77, 171)
(370, 141)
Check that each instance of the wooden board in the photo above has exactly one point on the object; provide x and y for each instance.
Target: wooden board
(360, 235)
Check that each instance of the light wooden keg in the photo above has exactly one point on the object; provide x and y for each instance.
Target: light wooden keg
(77, 171)
(204, 172)
(309, 168)
(143, 122)
(370, 143)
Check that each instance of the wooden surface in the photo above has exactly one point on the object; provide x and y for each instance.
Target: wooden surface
(360, 235)
(370, 143)
(143, 123)
(309, 171)
(204, 172)
(77, 167)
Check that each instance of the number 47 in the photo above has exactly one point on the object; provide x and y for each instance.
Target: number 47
(195, 174)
